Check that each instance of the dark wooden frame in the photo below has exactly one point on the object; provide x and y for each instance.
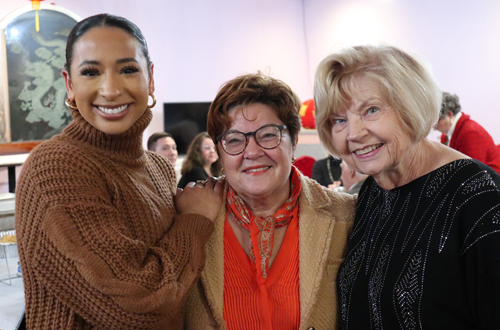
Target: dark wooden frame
(18, 147)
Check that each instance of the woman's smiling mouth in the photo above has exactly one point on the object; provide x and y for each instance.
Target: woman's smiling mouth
(256, 169)
(113, 111)
(368, 149)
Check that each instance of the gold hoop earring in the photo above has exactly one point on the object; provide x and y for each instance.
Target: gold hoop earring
(222, 171)
(70, 105)
(154, 101)
(294, 160)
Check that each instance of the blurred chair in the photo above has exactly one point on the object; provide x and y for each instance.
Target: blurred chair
(305, 165)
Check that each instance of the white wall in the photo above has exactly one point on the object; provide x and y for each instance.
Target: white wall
(197, 45)
(460, 39)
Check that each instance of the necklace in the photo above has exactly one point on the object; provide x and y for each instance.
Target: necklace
(329, 170)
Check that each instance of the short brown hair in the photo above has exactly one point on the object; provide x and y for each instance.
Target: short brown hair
(404, 83)
(153, 139)
(251, 89)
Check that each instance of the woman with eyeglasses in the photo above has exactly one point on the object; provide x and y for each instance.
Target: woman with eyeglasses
(201, 160)
(279, 237)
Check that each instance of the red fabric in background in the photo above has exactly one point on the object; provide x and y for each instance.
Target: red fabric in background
(471, 139)
(305, 165)
(307, 114)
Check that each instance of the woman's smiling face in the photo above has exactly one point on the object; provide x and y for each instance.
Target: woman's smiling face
(258, 173)
(110, 81)
(369, 134)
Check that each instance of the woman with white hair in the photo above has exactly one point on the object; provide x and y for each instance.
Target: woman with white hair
(424, 252)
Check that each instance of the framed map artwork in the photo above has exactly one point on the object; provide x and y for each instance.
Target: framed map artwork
(32, 89)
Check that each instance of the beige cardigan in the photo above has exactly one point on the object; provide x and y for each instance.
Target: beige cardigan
(325, 219)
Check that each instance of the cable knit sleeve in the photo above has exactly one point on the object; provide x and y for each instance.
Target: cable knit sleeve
(103, 242)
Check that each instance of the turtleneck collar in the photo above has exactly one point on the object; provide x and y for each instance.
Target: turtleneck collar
(122, 147)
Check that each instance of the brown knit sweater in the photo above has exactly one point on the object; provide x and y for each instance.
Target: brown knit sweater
(99, 242)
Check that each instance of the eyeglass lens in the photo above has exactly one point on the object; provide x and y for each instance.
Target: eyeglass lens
(267, 137)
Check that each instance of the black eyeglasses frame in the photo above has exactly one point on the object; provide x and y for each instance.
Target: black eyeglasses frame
(280, 127)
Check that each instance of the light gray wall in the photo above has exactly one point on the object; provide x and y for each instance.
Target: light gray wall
(197, 45)
(460, 39)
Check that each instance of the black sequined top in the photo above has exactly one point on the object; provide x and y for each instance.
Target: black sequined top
(425, 255)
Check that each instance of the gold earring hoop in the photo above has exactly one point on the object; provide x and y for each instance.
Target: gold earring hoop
(154, 101)
(294, 160)
(70, 105)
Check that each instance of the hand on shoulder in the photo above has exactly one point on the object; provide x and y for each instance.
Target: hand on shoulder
(204, 198)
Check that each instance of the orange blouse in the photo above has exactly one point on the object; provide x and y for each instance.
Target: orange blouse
(274, 305)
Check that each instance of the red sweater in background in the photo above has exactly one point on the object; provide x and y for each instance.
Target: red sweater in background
(471, 139)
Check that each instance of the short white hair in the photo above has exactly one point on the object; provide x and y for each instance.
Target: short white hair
(405, 84)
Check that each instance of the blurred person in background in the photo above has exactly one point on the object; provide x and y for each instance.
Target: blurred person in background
(201, 162)
(351, 180)
(464, 134)
(327, 172)
(163, 144)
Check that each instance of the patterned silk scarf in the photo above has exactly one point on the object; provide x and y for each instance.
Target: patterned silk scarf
(262, 228)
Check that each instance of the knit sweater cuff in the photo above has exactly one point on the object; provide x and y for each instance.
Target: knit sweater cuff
(195, 224)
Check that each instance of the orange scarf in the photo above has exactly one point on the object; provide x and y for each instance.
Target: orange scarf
(262, 228)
